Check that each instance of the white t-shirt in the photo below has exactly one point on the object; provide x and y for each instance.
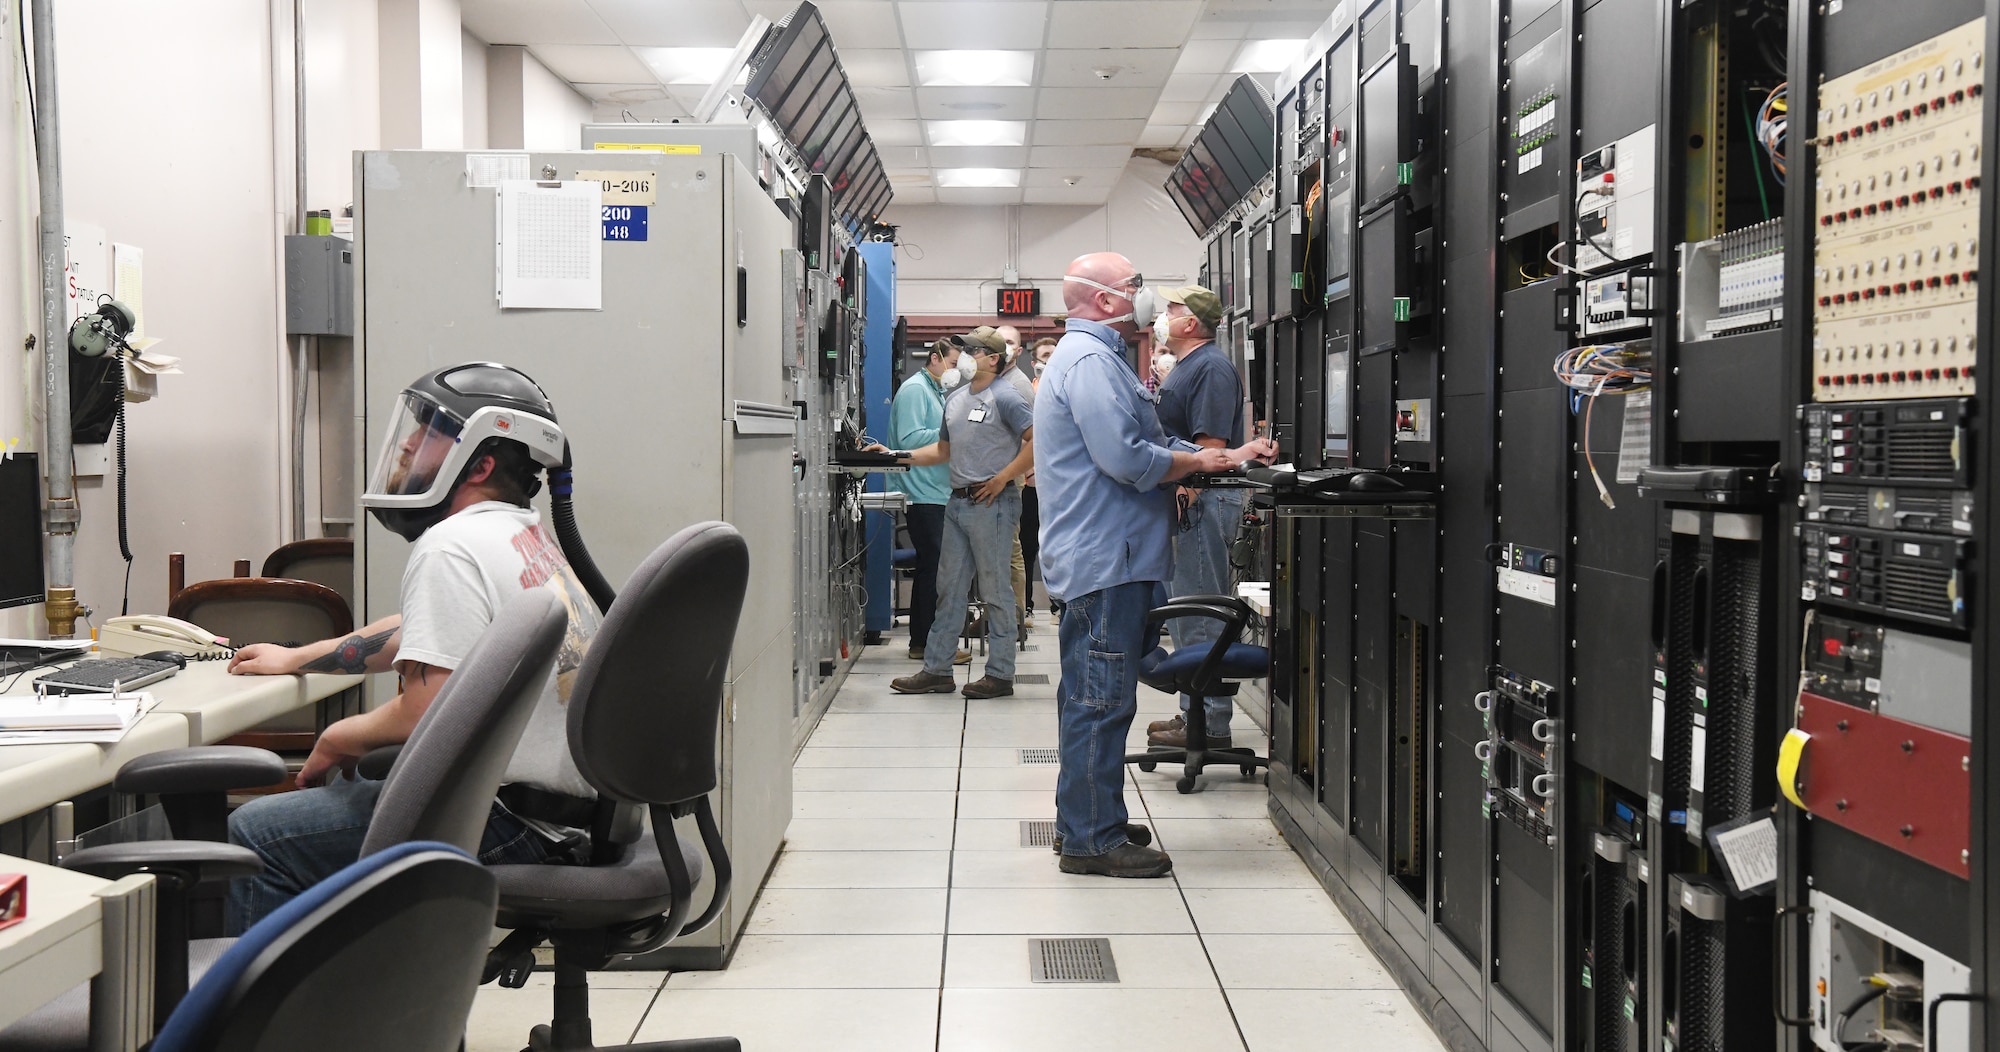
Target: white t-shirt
(461, 572)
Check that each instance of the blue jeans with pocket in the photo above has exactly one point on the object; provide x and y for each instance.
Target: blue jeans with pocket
(1201, 567)
(978, 539)
(1103, 637)
(310, 834)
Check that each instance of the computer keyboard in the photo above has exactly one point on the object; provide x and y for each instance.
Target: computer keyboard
(101, 675)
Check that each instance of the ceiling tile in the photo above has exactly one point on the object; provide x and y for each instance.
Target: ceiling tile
(997, 104)
(683, 23)
(1179, 113)
(979, 195)
(1121, 23)
(978, 156)
(593, 63)
(1095, 103)
(876, 67)
(1212, 27)
(1207, 56)
(1101, 178)
(1129, 67)
(886, 103)
(901, 156)
(662, 111)
(623, 94)
(888, 132)
(1065, 195)
(902, 177)
(1269, 29)
(972, 24)
(535, 22)
(1192, 87)
(1084, 133)
(1079, 156)
(1158, 135)
(914, 195)
(688, 95)
(857, 23)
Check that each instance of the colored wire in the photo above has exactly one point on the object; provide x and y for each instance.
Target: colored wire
(1771, 125)
(1602, 369)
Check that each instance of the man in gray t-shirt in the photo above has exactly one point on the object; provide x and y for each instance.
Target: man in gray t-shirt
(987, 438)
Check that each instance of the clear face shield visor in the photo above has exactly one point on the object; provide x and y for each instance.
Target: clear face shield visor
(417, 451)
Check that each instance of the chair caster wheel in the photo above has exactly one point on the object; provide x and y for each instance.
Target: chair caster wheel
(1249, 771)
(1185, 785)
(1148, 766)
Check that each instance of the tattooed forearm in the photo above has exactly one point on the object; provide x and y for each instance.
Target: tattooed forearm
(352, 655)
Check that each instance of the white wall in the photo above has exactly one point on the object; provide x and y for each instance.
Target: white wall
(169, 143)
(951, 255)
(472, 51)
(343, 97)
(552, 113)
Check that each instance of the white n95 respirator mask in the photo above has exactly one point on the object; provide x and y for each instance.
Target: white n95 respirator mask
(1144, 309)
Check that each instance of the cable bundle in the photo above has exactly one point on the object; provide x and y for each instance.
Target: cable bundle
(1602, 369)
(1771, 123)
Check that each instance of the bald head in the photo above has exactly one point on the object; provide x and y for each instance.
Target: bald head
(1012, 335)
(1089, 302)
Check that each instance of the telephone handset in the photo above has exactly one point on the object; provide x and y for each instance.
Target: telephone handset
(138, 634)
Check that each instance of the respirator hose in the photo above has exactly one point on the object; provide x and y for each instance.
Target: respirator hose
(571, 540)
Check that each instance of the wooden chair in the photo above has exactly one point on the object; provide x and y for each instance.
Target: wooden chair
(267, 610)
(325, 560)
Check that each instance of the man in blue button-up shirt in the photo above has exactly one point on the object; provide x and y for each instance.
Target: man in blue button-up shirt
(1107, 549)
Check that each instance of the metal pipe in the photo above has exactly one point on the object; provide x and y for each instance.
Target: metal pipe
(302, 366)
(61, 607)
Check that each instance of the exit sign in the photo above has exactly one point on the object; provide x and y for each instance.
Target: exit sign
(1020, 303)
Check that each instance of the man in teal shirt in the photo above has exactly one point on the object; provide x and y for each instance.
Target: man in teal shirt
(915, 416)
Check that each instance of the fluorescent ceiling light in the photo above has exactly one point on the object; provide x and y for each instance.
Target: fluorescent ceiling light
(1268, 56)
(688, 65)
(977, 133)
(976, 69)
(978, 176)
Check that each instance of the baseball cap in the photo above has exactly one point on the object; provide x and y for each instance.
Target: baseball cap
(1199, 301)
(986, 338)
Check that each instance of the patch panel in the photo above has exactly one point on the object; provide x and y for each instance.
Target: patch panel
(1923, 353)
(1915, 89)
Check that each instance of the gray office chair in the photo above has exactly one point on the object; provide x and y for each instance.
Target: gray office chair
(643, 718)
(441, 789)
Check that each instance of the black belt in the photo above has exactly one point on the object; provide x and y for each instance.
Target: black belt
(968, 491)
(524, 800)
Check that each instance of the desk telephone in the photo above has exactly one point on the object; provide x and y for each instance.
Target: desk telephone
(146, 633)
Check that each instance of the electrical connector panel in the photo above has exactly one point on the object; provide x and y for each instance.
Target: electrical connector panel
(1614, 212)
(1733, 283)
(1847, 951)
(1895, 223)
(1520, 753)
(1616, 302)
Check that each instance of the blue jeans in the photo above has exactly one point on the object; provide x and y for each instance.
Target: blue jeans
(308, 835)
(1201, 567)
(978, 538)
(1103, 637)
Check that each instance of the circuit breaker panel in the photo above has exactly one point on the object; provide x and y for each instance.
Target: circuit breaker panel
(1654, 725)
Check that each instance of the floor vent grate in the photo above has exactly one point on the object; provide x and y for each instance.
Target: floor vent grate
(1071, 961)
(1032, 677)
(1039, 832)
(1041, 756)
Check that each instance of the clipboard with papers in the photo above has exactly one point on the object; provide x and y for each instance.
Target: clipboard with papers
(71, 719)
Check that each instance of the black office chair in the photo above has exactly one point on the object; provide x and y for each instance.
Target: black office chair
(441, 789)
(1202, 670)
(384, 954)
(643, 718)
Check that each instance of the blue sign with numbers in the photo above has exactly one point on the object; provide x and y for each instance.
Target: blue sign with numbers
(624, 222)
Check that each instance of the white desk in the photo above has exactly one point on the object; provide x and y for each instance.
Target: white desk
(1257, 594)
(36, 776)
(82, 929)
(218, 705)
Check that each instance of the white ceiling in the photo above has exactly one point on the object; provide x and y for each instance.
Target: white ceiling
(1168, 62)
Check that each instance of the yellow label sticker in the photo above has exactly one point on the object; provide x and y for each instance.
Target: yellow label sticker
(1791, 763)
(656, 147)
(625, 188)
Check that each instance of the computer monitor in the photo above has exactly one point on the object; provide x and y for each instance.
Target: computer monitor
(1388, 127)
(1229, 240)
(1381, 278)
(1240, 301)
(21, 581)
(1339, 243)
(1339, 402)
(1260, 273)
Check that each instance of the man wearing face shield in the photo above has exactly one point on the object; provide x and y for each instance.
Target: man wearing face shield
(455, 476)
(1101, 463)
(915, 415)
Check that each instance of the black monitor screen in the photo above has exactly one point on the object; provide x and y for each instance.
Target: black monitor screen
(1215, 264)
(1260, 274)
(1339, 390)
(1376, 325)
(809, 96)
(1188, 211)
(1240, 299)
(1340, 235)
(834, 124)
(21, 579)
(1383, 129)
(1228, 241)
(1248, 129)
(778, 77)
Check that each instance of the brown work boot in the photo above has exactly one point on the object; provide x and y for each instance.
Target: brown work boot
(924, 683)
(988, 687)
(1177, 739)
(1161, 726)
(1134, 834)
(1125, 860)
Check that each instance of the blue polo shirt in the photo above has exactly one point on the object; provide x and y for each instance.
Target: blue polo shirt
(1203, 396)
(915, 415)
(1100, 456)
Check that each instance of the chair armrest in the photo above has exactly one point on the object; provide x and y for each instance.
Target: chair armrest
(376, 765)
(202, 769)
(191, 861)
(1231, 610)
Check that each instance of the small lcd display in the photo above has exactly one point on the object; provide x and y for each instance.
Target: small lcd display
(1339, 386)
(1383, 124)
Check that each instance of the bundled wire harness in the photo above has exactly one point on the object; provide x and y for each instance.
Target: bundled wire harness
(1603, 369)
